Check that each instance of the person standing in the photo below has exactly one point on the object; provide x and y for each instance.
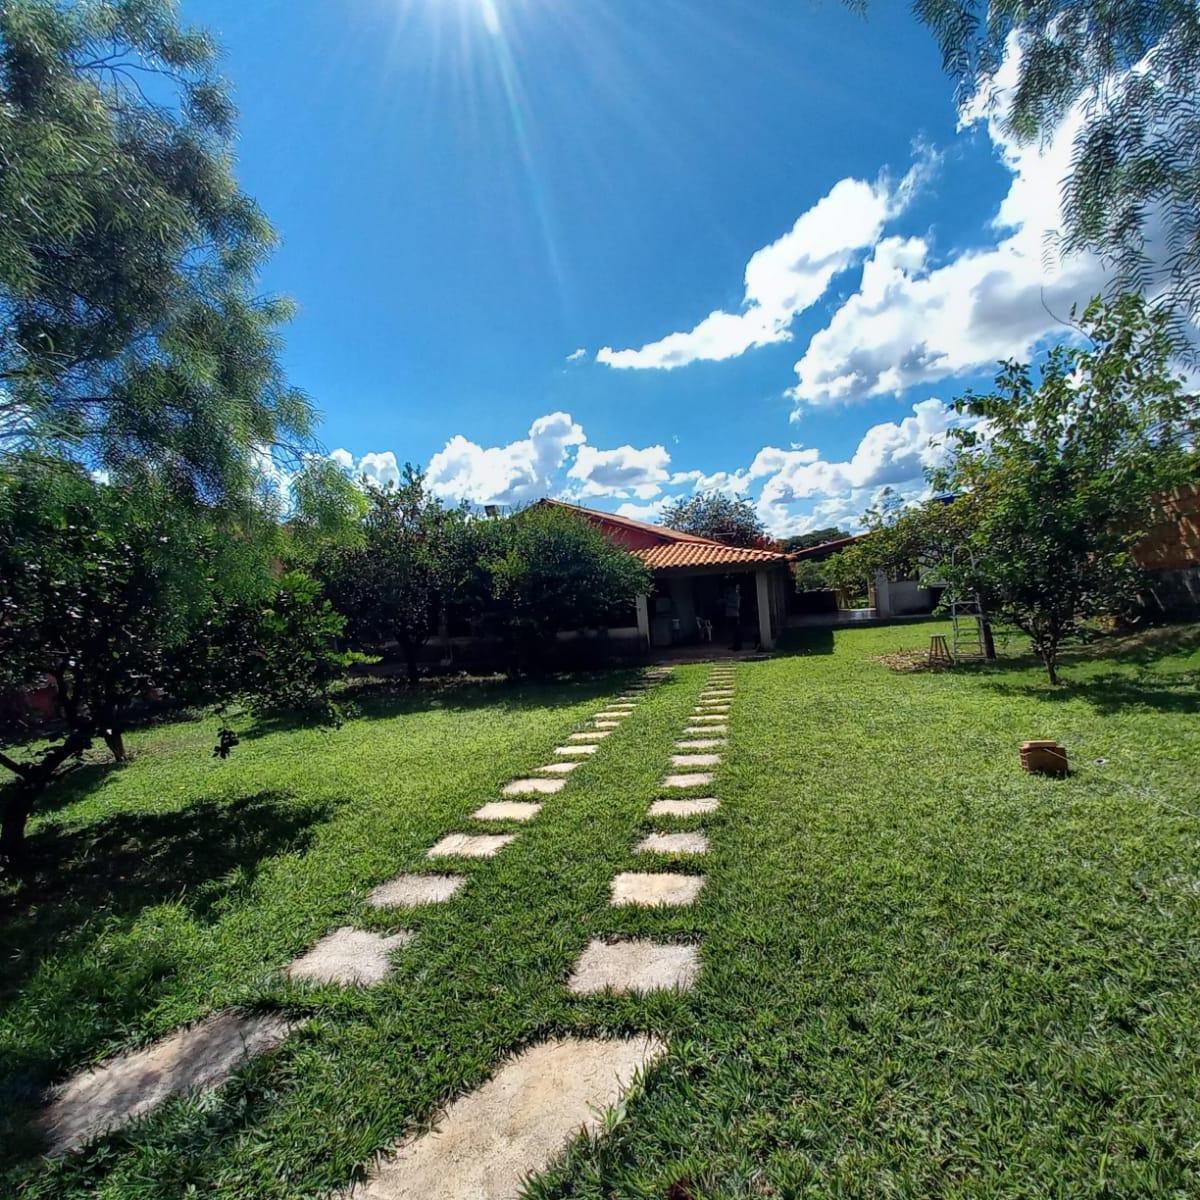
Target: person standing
(733, 613)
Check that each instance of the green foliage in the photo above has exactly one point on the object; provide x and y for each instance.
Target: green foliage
(815, 537)
(133, 338)
(114, 592)
(545, 569)
(1135, 174)
(809, 576)
(718, 516)
(409, 557)
(1056, 479)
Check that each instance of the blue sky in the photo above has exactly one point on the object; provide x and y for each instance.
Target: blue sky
(616, 250)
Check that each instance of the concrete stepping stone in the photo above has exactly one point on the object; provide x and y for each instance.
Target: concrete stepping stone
(701, 744)
(644, 889)
(353, 957)
(488, 1143)
(412, 891)
(695, 760)
(594, 736)
(705, 730)
(129, 1085)
(707, 718)
(634, 966)
(576, 749)
(559, 768)
(610, 715)
(688, 779)
(623, 705)
(507, 810)
(533, 787)
(607, 726)
(692, 842)
(471, 845)
(684, 808)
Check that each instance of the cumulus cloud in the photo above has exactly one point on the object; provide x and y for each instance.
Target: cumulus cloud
(623, 471)
(379, 468)
(514, 474)
(576, 355)
(787, 276)
(914, 320)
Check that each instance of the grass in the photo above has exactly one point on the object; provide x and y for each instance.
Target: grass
(925, 972)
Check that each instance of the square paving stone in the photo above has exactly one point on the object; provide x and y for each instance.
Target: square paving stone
(695, 842)
(587, 737)
(701, 744)
(695, 760)
(348, 956)
(684, 808)
(634, 966)
(559, 768)
(688, 779)
(533, 787)
(576, 750)
(470, 845)
(507, 810)
(645, 889)
(488, 1143)
(411, 891)
(203, 1055)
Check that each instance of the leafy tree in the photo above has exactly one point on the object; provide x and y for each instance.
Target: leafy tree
(718, 516)
(815, 537)
(809, 576)
(410, 557)
(133, 340)
(1131, 194)
(546, 569)
(107, 590)
(1057, 478)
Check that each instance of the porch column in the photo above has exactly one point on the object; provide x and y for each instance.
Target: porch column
(883, 595)
(643, 621)
(765, 634)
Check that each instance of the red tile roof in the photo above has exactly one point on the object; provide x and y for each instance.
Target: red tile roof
(674, 555)
(663, 549)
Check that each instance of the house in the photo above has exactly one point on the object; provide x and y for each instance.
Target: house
(697, 581)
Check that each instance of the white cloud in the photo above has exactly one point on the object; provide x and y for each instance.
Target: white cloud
(514, 474)
(624, 471)
(651, 512)
(787, 276)
(913, 321)
(380, 468)
(576, 355)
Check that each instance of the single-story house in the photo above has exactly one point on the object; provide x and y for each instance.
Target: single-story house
(698, 583)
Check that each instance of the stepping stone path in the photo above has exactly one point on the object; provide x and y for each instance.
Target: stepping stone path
(413, 891)
(131, 1084)
(349, 956)
(507, 810)
(689, 779)
(695, 760)
(470, 845)
(673, 843)
(488, 1142)
(634, 966)
(684, 808)
(649, 890)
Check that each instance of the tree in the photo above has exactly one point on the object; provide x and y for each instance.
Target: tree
(109, 590)
(1056, 477)
(133, 340)
(718, 516)
(1130, 197)
(545, 569)
(410, 557)
(815, 537)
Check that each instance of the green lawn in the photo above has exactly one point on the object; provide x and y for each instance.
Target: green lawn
(925, 973)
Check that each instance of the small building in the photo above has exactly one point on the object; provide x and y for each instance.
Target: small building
(703, 590)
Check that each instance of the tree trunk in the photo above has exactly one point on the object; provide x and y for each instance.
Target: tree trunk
(1050, 659)
(114, 739)
(989, 641)
(409, 648)
(18, 804)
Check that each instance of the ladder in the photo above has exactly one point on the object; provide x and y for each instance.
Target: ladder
(967, 630)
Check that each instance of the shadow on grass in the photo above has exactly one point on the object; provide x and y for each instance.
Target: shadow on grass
(1114, 692)
(814, 639)
(103, 877)
(373, 698)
